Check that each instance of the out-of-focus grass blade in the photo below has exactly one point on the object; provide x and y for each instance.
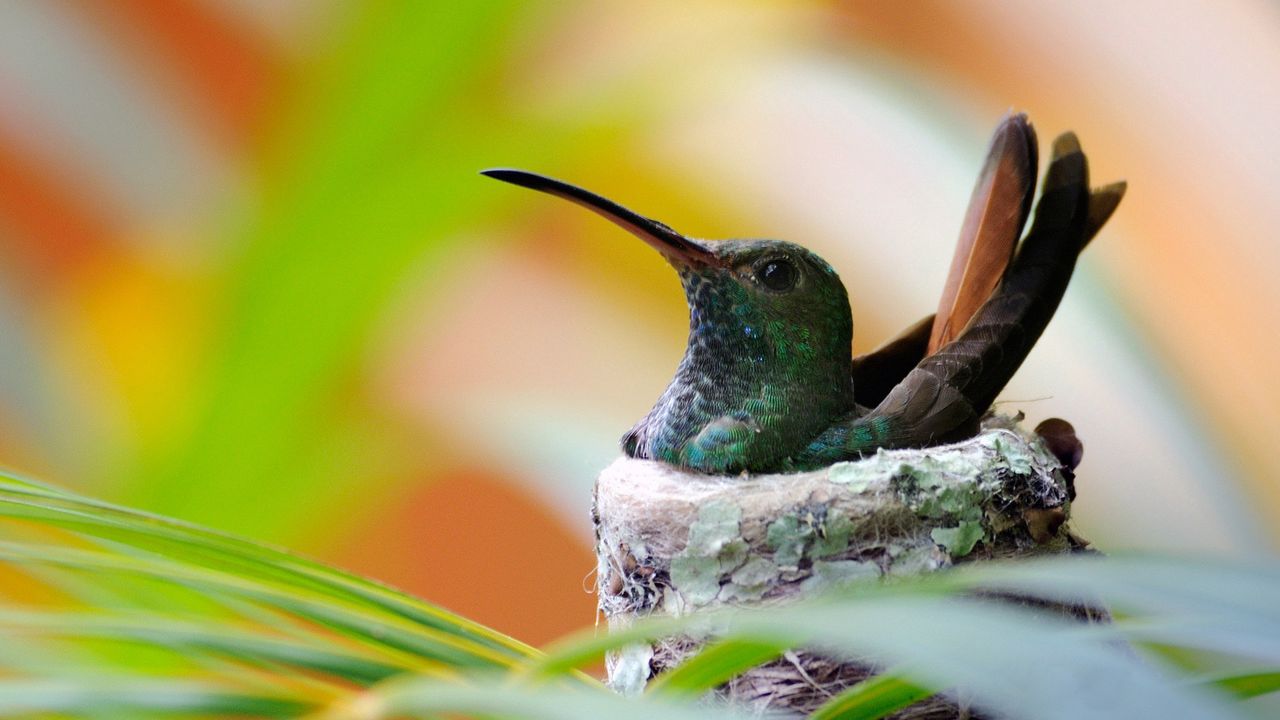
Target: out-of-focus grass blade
(715, 665)
(189, 637)
(1224, 634)
(85, 660)
(373, 628)
(1143, 585)
(872, 699)
(186, 542)
(490, 697)
(997, 653)
(128, 697)
(1213, 604)
(1247, 684)
(1000, 655)
(371, 175)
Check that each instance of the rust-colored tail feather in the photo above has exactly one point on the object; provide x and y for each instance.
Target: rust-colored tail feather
(964, 376)
(942, 399)
(998, 209)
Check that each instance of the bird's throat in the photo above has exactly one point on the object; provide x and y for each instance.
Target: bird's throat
(751, 389)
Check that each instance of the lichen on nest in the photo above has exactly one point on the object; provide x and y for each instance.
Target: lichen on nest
(674, 542)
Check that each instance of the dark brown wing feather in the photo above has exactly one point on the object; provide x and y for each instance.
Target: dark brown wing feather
(997, 211)
(875, 373)
(1102, 203)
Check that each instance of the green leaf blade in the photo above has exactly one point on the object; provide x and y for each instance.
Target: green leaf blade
(714, 666)
(872, 699)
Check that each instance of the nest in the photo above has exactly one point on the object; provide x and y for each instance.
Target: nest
(670, 542)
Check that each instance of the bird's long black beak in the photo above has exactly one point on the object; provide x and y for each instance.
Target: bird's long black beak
(676, 248)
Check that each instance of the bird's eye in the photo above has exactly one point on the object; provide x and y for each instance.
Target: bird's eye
(778, 275)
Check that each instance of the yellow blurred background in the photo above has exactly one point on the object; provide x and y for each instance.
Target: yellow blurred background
(249, 276)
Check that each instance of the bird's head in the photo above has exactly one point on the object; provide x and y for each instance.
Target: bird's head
(772, 290)
(769, 324)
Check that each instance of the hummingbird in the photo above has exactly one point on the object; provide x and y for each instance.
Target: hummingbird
(768, 382)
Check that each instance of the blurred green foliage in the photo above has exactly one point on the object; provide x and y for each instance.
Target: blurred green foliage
(370, 177)
(130, 613)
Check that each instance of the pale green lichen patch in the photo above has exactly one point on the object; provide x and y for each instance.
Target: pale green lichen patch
(714, 549)
(834, 573)
(733, 554)
(953, 488)
(787, 537)
(962, 501)
(1016, 456)
(717, 524)
(757, 571)
(905, 561)
(816, 534)
(697, 578)
(751, 581)
(959, 540)
(851, 474)
(834, 536)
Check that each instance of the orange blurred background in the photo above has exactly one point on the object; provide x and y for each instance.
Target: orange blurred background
(250, 277)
